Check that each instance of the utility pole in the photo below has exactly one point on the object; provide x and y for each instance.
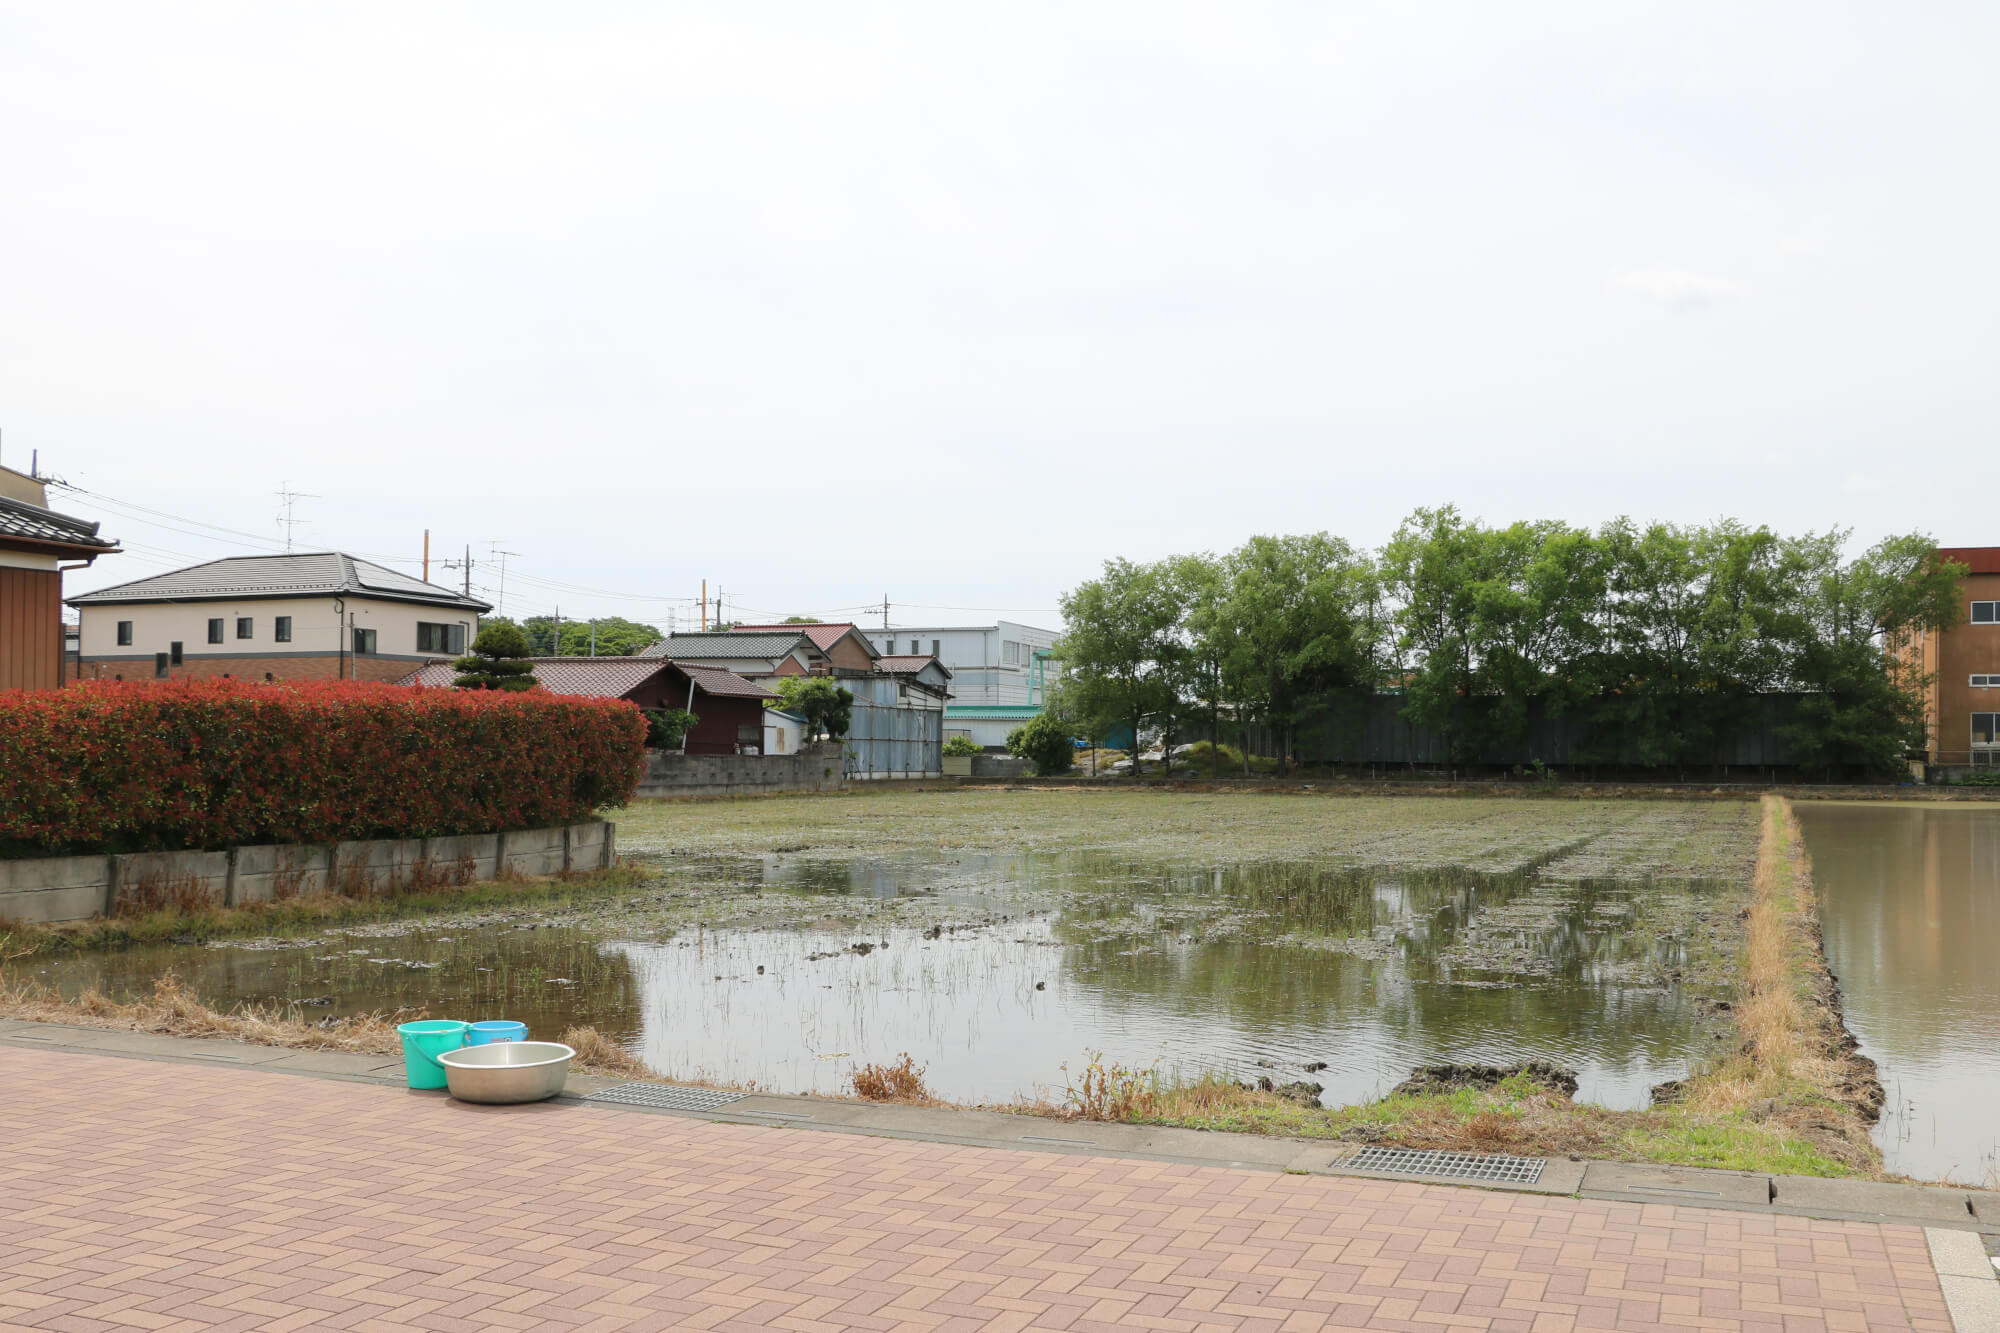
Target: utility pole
(704, 606)
(593, 636)
(466, 565)
(885, 610)
(427, 555)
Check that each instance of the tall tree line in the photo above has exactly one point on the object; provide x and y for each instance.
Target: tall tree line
(1661, 638)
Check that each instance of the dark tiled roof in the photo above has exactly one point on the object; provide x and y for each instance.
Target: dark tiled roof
(32, 523)
(823, 635)
(310, 574)
(698, 646)
(604, 677)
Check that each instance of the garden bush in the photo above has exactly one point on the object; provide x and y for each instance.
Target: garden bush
(143, 766)
(962, 747)
(1046, 741)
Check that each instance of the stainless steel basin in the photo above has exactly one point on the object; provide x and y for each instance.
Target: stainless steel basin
(507, 1071)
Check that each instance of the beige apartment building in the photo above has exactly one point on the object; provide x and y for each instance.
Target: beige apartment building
(320, 615)
(1962, 703)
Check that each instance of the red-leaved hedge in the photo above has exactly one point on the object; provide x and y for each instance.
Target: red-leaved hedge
(146, 766)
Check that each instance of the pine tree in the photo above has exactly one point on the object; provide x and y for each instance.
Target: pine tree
(497, 661)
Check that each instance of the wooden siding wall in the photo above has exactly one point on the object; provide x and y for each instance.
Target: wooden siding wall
(30, 629)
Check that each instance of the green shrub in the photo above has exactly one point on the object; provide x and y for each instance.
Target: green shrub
(959, 747)
(1044, 740)
(667, 727)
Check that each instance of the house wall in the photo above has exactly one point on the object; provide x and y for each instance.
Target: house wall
(722, 721)
(847, 654)
(317, 650)
(31, 634)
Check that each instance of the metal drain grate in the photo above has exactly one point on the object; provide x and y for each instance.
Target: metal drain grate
(665, 1097)
(1451, 1165)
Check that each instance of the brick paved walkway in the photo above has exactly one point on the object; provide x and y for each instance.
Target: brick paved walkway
(145, 1195)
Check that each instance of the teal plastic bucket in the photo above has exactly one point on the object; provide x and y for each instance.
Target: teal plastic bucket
(423, 1042)
(496, 1029)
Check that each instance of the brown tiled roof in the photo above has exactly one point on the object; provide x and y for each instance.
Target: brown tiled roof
(907, 663)
(719, 683)
(606, 677)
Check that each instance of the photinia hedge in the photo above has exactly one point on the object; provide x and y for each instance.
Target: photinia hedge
(169, 766)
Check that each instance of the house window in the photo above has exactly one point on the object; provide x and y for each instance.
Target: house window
(245, 627)
(915, 647)
(1986, 613)
(1986, 682)
(215, 630)
(364, 642)
(936, 645)
(160, 664)
(124, 634)
(281, 629)
(174, 651)
(440, 638)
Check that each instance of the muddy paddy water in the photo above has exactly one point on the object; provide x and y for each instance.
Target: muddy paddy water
(996, 936)
(1910, 907)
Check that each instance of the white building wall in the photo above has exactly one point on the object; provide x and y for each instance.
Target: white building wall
(984, 669)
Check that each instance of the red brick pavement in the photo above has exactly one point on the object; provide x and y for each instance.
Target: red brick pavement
(157, 1196)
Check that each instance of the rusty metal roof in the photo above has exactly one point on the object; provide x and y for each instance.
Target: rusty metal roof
(1976, 559)
(899, 664)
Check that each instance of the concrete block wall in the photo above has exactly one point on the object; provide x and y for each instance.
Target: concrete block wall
(1001, 766)
(46, 889)
(815, 768)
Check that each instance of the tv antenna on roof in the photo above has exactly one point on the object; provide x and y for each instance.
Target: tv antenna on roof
(286, 495)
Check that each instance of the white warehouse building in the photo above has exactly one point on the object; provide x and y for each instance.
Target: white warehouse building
(1000, 673)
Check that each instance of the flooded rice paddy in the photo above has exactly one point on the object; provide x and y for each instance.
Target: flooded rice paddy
(1910, 904)
(997, 936)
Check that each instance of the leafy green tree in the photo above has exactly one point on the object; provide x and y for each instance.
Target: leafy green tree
(962, 747)
(616, 636)
(1295, 628)
(798, 620)
(826, 707)
(667, 728)
(1860, 708)
(497, 661)
(1123, 651)
(1046, 741)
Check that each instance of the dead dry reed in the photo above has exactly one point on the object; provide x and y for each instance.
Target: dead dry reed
(902, 1081)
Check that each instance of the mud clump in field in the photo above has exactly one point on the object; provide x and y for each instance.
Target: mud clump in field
(1433, 1079)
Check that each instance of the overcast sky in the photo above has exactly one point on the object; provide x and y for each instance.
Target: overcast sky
(951, 302)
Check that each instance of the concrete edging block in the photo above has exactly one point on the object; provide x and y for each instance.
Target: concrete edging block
(54, 888)
(158, 878)
(267, 871)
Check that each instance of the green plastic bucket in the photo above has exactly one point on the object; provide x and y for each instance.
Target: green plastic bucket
(423, 1042)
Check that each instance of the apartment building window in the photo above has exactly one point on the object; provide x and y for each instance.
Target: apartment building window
(160, 665)
(1986, 682)
(916, 647)
(364, 642)
(215, 630)
(1986, 740)
(937, 647)
(246, 627)
(1986, 613)
(440, 638)
(281, 629)
(174, 652)
(124, 634)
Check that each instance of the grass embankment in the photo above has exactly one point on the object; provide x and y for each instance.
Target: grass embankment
(174, 1010)
(1792, 1099)
(307, 914)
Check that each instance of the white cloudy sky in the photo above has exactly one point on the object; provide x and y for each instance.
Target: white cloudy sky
(951, 302)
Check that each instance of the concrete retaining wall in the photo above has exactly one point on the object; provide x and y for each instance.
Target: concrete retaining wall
(74, 888)
(815, 768)
(1001, 766)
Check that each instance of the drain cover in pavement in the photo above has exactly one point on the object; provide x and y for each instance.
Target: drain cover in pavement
(1451, 1165)
(665, 1096)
